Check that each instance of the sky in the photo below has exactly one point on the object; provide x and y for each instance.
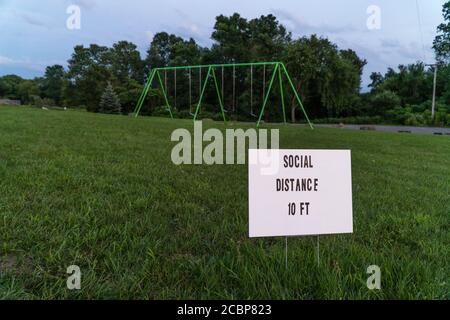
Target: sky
(34, 34)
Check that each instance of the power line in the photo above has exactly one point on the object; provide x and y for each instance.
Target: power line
(420, 30)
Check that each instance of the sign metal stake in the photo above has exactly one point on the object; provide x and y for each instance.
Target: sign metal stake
(286, 253)
(318, 252)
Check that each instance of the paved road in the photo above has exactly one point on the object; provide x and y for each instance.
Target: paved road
(421, 130)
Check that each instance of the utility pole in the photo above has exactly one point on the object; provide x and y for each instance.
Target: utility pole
(433, 105)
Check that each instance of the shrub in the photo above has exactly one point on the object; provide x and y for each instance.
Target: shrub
(47, 102)
(216, 116)
(36, 101)
(426, 105)
(352, 120)
(184, 114)
(441, 116)
(384, 101)
(399, 115)
(414, 120)
(162, 111)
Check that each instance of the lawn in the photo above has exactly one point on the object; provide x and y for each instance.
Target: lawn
(101, 192)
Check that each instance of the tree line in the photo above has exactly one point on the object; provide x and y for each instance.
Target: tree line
(327, 77)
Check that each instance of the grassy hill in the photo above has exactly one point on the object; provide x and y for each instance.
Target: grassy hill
(101, 192)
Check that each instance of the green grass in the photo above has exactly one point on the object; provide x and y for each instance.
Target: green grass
(101, 192)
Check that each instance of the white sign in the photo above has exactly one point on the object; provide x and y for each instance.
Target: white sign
(299, 192)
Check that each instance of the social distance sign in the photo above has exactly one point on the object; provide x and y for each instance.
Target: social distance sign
(299, 192)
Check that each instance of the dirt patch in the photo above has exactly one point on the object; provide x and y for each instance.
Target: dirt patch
(11, 264)
(8, 263)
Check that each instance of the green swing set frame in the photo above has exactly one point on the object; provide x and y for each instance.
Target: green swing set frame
(278, 70)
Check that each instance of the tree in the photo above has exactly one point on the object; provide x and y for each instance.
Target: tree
(9, 85)
(26, 90)
(443, 85)
(109, 102)
(53, 83)
(232, 36)
(384, 101)
(161, 50)
(125, 61)
(377, 80)
(268, 38)
(327, 79)
(441, 43)
(186, 53)
(3, 88)
(411, 83)
(357, 65)
(88, 73)
(171, 50)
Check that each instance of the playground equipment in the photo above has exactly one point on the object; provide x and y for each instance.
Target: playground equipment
(279, 70)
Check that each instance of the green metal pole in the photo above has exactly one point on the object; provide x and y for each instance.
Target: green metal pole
(296, 95)
(138, 104)
(144, 94)
(203, 92)
(226, 65)
(141, 97)
(218, 94)
(163, 89)
(211, 69)
(148, 86)
(282, 94)
(267, 94)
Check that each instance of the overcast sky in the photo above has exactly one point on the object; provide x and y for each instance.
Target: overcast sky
(33, 34)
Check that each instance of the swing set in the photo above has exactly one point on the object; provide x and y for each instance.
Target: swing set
(279, 70)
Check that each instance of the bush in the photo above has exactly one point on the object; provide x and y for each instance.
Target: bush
(414, 120)
(351, 120)
(441, 116)
(421, 107)
(128, 95)
(384, 101)
(47, 102)
(162, 111)
(153, 101)
(184, 114)
(38, 102)
(399, 115)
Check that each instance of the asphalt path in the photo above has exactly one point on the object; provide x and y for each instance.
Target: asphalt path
(400, 129)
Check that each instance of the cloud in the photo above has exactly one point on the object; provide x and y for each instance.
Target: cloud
(32, 18)
(5, 60)
(301, 26)
(38, 66)
(411, 51)
(187, 28)
(390, 43)
(85, 4)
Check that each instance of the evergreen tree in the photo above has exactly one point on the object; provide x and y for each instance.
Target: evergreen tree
(110, 102)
